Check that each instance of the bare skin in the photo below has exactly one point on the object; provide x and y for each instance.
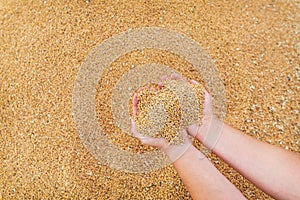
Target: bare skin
(200, 176)
(272, 169)
(202, 179)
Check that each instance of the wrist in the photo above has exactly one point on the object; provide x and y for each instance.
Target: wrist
(213, 133)
(190, 154)
(209, 133)
(203, 130)
(177, 151)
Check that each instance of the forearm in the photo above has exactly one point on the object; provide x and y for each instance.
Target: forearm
(202, 179)
(274, 170)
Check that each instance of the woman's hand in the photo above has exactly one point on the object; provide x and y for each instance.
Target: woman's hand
(172, 151)
(211, 128)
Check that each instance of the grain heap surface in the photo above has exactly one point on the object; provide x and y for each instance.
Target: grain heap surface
(254, 44)
(160, 113)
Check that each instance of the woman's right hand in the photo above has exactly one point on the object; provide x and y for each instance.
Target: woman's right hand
(211, 128)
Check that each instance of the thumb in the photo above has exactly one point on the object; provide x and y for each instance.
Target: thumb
(151, 141)
(159, 143)
(207, 103)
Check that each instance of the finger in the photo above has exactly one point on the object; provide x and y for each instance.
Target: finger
(194, 82)
(192, 130)
(142, 88)
(206, 93)
(135, 101)
(160, 85)
(207, 103)
(134, 130)
(164, 78)
(153, 89)
(155, 142)
(184, 134)
(175, 76)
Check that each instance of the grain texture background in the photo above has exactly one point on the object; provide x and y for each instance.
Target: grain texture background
(255, 46)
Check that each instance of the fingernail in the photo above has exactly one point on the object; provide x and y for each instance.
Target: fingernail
(194, 82)
(160, 85)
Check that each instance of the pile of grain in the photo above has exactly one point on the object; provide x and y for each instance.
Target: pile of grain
(253, 44)
(160, 113)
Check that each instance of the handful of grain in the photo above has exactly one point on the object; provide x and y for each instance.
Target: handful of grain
(164, 111)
